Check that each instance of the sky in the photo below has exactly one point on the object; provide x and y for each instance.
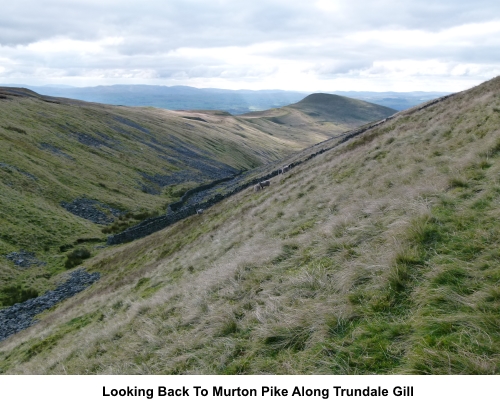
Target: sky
(314, 45)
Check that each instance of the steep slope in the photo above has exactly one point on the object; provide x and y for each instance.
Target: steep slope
(73, 172)
(378, 256)
(69, 170)
(326, 113)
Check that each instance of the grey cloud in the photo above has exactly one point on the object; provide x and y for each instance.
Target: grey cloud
(426, 15)
(338, 54)
(174, 23)
(170, 24)
(205, 71)
(341, 67)
(152, 30)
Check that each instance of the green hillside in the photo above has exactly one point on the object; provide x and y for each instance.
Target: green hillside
(73, 172)
(130, 163)
(132, 159)
(379, 256)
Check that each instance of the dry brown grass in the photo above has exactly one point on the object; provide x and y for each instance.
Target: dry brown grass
(379, 256)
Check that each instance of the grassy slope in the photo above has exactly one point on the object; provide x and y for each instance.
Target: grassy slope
(42, 163)
(380, 256)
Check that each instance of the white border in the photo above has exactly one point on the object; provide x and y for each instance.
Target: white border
(66, 390)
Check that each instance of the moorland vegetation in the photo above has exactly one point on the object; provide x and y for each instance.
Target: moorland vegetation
(380, 256)
(72, 173)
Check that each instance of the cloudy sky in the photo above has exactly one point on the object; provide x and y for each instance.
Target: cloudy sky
(314, 45)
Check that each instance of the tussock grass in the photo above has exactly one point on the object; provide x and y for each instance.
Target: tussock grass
(50, 153)
(384, 265)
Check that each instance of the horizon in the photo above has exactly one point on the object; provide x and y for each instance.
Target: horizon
(65, 86)
(382, 46)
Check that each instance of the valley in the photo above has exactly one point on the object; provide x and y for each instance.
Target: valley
(377, 256)
(73, 173)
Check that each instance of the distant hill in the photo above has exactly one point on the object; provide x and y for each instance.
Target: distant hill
(327, 113)
(331, 107)
(232, 101)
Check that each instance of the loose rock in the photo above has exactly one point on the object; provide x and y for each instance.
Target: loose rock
(24, 259)
(20, 316)
(92, 210)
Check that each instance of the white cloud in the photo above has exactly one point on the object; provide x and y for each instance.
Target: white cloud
(328, 5)
(323, 45)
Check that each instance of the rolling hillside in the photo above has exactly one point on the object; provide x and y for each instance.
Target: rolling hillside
(73, 172)
(380, 255)
(326, 113)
